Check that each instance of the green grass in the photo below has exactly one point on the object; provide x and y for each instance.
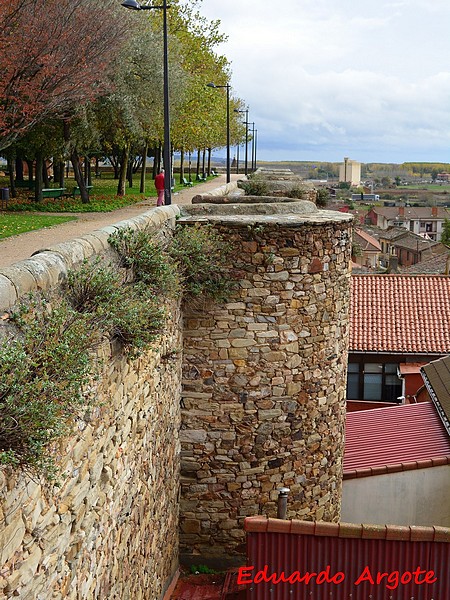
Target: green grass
(15, 224)
(103, 196)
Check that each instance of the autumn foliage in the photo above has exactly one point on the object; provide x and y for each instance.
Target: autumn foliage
(54, 55)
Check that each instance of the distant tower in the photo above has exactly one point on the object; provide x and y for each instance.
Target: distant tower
(350, 172)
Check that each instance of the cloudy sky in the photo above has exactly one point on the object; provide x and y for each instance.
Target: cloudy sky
(324, 79)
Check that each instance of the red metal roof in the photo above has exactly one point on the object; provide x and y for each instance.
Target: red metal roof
(278, 549)
(400, 314)
(396, 438)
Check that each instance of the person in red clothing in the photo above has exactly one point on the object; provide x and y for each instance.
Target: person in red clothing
(159, 185)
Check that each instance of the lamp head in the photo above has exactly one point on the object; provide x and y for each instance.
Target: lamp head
(213, 85)
(132, 4)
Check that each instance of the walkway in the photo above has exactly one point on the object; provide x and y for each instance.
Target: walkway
(22, 246)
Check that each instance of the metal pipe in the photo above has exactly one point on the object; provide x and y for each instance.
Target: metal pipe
(282, 502)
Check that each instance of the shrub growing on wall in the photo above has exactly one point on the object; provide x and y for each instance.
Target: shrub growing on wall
(45, 367)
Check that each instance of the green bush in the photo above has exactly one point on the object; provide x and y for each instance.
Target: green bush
(297, 192)
(146, 260)
(45, 367)
(127, 312)
(202, 257)
(255, 187)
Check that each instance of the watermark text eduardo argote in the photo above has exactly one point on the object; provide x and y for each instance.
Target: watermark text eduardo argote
(391, 579)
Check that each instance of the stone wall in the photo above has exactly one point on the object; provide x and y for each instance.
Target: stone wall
(264, 378)
(110, 529)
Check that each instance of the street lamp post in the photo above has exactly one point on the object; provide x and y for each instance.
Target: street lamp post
(246, 137)
(134, 5)
(227, 87)
(254, 148)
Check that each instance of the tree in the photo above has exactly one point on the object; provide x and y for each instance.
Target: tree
(53, 56)
(445, 237)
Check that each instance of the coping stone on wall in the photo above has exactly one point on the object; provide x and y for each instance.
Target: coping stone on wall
(47, 267)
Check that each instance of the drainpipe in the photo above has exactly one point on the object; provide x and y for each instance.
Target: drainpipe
(282, 502)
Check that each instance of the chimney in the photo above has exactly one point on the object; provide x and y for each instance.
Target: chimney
(401, 211)
(434, 211)
(393, 264)
(282, 502)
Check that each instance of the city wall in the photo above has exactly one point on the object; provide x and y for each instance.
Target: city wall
(110, 528)
(262, 407)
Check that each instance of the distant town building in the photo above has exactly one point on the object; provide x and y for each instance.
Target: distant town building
(350, 172)
(426, 221)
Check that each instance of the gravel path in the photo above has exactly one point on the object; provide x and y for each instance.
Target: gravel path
(22, 246)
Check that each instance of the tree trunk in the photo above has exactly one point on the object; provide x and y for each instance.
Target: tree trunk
(45, 178)
(209, 160)
(204, 162)
(78, 172)
(130, 172)
(123, 171)
(10, 161)
(19, 169)
(30, 169)
(58, 173)
(39, 177)
(143, 169)
(198, 163)
(181, 165)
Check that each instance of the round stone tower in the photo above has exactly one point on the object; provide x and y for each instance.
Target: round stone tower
(265, 375)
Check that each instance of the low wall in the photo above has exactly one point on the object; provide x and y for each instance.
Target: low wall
(110, 529)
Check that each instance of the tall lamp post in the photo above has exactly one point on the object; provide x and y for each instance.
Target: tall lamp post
(134, 5)
(255, 139)
(227, 87)
(246, 137)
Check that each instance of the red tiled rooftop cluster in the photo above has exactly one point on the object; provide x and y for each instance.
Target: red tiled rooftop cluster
(400, 313)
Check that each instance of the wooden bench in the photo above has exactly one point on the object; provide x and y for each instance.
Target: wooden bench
(201, 177)
(186, 183)
(76, 190)
(214, 174)
(53, 192)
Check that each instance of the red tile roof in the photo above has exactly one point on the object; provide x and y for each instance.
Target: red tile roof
(400, 314)
(398, 438)
(367, 242)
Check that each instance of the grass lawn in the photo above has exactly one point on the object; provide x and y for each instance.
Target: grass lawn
(19, 223)
(103, 196)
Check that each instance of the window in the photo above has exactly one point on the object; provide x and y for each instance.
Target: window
(376, 382)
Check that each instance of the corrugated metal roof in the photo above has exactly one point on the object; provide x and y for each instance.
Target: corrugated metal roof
(400, 314)
(356, 551)
(402, 437)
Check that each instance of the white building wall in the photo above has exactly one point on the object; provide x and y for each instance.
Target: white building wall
(416, 497)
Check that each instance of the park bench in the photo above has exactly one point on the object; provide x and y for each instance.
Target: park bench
(201, 177)
(214, 174)
(26, 183)
(53, 192)
(76, 190)
(186, 183)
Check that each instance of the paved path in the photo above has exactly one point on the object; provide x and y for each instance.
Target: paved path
(22, 246)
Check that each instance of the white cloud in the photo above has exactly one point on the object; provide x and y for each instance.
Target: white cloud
(319, 76)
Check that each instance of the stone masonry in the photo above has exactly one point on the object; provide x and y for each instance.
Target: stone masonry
(110, 529)
(263, 401)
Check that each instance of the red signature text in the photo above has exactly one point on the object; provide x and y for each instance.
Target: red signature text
(391, 580)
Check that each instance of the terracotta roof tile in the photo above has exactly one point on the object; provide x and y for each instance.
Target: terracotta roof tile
(400, 314)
